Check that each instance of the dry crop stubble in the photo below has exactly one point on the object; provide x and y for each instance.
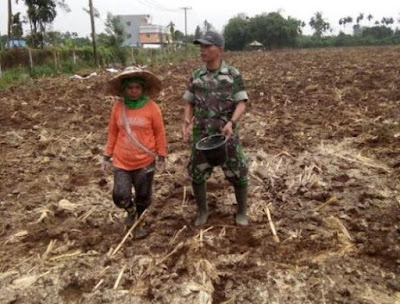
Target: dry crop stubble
(321, 135)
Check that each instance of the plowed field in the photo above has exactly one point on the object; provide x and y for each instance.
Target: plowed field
(322, 136)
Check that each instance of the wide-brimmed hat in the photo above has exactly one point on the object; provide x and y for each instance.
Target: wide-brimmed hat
(152, 83)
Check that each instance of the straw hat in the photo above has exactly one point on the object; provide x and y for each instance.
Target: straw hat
(152, 82)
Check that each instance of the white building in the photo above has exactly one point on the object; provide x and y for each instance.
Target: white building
(131, 25)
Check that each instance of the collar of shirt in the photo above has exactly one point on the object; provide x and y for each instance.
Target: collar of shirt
(223, 69)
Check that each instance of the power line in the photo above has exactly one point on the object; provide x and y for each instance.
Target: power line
(154, 5)
(161, 6)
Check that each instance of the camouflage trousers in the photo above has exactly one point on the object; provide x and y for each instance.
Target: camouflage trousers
(235, 167)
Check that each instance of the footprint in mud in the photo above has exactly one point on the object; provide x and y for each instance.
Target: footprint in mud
(73, 292)
(102, 182)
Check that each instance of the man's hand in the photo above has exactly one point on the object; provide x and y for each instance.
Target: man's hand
(228, 129)
(188, 116)
(186, 130)
(105, 163)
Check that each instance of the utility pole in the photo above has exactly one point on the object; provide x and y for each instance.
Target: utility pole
(186, 9)
(9, 19)
(96, 61)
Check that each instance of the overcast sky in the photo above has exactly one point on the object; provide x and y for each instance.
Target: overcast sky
(216, 12)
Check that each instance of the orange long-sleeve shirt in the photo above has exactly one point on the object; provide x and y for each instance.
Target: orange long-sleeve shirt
(147, 126)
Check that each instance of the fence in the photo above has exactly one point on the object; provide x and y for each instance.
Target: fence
(29, 58)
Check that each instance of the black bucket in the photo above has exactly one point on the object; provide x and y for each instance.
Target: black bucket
(214, 149)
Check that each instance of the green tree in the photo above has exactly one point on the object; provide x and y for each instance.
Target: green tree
(40, 14)
(207, 26)
(360, 18)
(370, 17)
(171, 27)
(115, 36)
(179, 36)
(197, 33)
(103, 39)
(236, 33)
(349, 20)
(3, 39)
(357, 26)
(274, 31)
(387, 20)
(319, 25)
(342, 21)
(16, 26)
(54, 38)
(378, 32)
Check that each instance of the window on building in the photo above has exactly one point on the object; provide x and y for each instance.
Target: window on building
(128, 23)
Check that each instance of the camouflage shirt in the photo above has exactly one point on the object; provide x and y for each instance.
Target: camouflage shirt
(214, 96)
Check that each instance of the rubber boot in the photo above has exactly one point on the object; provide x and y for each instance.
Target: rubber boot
(140, 231)
(199, 191)
(130, 216)
(241, 200)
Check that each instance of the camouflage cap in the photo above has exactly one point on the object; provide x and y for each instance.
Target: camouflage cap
(211, 38)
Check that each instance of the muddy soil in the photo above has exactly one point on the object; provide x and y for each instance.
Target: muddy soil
(322, 137)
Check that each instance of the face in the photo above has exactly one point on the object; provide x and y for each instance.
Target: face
(210, 53)
(134, 90)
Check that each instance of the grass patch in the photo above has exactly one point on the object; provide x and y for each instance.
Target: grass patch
(13, 77)
(139, 56)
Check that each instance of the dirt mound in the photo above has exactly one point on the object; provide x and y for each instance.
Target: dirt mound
(322, 136)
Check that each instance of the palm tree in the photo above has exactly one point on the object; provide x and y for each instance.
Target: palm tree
(197, 33)
(390, 20)
(357, 26)
(207, 26)
(360, 18)
(171, 26)
(40, 13)
(342, 21)
(370, 17)
(319, 25)
(387, 20)
(16, 27)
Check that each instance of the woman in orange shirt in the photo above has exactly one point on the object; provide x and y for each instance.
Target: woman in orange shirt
(136, 140)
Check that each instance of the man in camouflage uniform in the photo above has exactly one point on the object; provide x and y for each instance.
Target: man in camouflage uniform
(216, 99)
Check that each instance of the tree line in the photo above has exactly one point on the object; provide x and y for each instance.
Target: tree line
(272, 30)
(39, 15)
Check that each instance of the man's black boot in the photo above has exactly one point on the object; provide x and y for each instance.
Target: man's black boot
(199, 191)
(241, 200)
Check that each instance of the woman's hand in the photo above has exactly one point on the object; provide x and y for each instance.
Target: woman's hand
(160, 164)
(105, 163)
